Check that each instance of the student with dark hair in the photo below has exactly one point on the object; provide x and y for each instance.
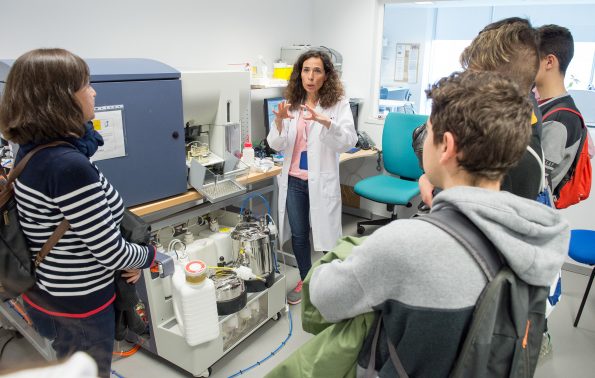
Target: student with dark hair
(562, 130)
(312, 127)
(508, 46)
(47, 98)
(420, 276)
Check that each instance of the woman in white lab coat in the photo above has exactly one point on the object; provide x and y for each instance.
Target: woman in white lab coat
(312, 127)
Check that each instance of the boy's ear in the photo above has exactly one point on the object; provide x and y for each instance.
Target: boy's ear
(551, 61)
(449, 147)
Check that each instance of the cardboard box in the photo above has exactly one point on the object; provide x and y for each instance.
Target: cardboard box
(349, 198)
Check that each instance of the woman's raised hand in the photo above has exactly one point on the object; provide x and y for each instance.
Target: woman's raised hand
(311, 115)
(282, 113)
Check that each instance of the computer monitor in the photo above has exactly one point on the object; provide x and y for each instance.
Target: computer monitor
(270, 104)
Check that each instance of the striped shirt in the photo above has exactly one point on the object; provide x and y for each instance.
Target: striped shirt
(77, 277)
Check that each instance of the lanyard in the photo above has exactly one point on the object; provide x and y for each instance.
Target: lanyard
(307, 125)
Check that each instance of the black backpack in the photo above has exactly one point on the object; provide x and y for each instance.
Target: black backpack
(17, 265)
(506, 330)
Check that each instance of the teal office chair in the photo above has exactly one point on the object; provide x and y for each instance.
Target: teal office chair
(398, 160)
(582, 250)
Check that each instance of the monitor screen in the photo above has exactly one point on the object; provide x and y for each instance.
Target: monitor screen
(270, 104)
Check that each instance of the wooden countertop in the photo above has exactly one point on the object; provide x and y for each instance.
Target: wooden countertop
(356, 155)
(193, 195)
(252, 177)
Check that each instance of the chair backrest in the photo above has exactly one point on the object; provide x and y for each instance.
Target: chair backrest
(397, 152)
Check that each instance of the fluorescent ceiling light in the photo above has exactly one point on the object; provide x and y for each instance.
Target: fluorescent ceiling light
(424, 2)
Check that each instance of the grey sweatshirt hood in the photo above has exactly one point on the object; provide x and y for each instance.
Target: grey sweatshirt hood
(532, 237)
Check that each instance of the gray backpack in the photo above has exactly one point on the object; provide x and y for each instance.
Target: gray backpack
(505, 332)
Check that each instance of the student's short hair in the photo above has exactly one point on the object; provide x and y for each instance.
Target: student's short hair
(509, 46)
(39, 103)
(489, 117)
(558, 41)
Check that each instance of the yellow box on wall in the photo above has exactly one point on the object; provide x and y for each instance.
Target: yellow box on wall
(283, 73)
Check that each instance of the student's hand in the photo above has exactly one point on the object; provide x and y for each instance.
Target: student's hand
(311, 115)
(282, 113)
(131, 275)
(425, 189)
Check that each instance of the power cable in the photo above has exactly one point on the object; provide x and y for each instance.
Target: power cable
(258, 363)
(5, 344)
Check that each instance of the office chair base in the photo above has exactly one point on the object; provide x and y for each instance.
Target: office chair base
(580, 310)
(374, 222)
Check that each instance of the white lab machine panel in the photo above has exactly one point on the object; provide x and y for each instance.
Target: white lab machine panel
(217, 98)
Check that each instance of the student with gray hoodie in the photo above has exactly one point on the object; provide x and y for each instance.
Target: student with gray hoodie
(422, 275)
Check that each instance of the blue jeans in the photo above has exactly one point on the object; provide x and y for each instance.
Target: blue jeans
(298, 212)
(93, 335)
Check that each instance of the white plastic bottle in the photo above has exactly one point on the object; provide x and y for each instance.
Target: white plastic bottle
(223, 243)
(204, 250)
(195, 304)
(248, 154)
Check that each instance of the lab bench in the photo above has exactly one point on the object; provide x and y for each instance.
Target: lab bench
(166, 338)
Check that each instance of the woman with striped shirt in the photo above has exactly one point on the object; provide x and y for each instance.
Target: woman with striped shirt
(48, 98)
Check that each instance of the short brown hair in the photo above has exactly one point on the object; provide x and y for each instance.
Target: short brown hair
(39, 103)
(509, 46)
(556, 40)
(489, 117)
(331, 91)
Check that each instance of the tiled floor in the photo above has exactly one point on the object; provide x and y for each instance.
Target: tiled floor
(573, 352)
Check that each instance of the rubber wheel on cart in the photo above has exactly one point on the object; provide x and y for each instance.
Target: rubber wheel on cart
(360, 230)
(206, 373)
(277, 316)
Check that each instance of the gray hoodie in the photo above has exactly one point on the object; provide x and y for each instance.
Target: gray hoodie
(427, 279)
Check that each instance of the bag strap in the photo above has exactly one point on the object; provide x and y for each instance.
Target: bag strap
(371, 370)
(457, 225)
(64, 225)
(483, 251)
(16, 171)
(563, 107)
(52, 241)
(541, 162)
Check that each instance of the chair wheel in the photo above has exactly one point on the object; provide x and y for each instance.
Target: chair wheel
(360, 230)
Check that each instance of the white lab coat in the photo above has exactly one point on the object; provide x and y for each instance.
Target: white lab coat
(324, 147)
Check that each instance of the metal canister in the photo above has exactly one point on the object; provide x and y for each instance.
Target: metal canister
(230, 292)
(251, 247)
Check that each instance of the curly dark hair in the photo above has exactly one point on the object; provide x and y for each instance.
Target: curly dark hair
(489, 117)
(332, 90)
(39, 103)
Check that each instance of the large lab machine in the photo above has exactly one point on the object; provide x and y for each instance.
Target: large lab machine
(139, 114)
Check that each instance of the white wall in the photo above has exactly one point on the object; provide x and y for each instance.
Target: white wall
(197, 34)
(201, 34)
(348, 27)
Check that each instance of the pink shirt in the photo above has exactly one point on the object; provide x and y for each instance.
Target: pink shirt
(301, 144)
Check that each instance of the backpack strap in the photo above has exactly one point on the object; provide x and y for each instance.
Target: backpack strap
(457, 225)
(16, 171)
(483, 251)
(64, 225)
(370, 371)
(563, 107)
